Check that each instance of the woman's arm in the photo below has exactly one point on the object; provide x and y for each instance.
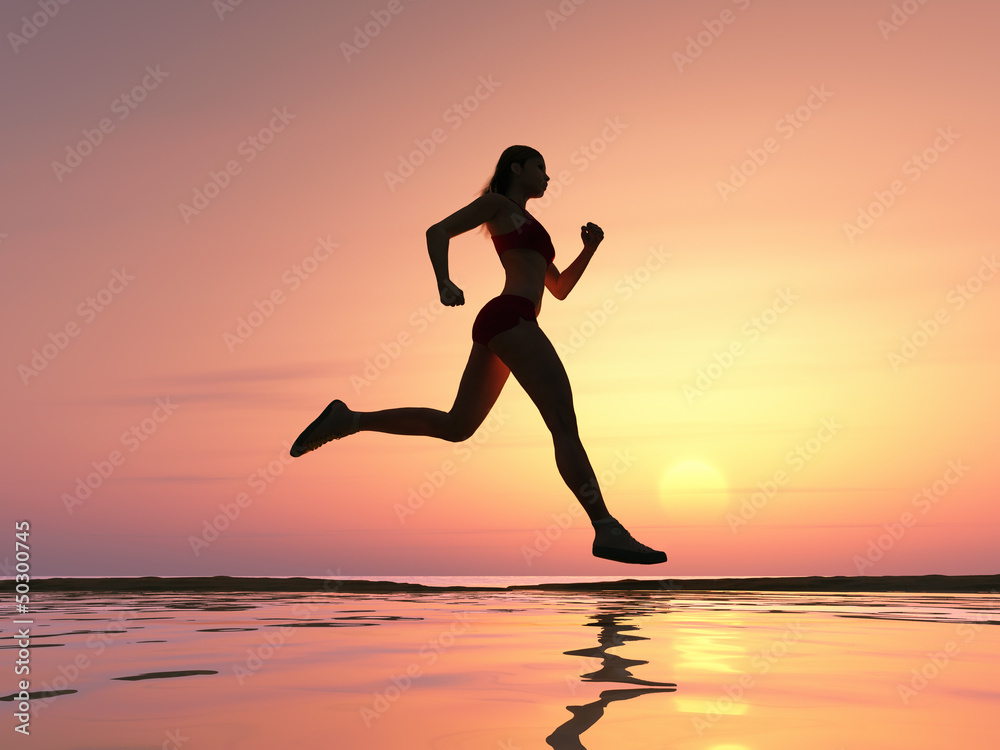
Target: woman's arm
(561, 284)
(481, 210)
(437, 249)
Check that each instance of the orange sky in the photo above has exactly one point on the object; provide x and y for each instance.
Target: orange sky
(786, 343)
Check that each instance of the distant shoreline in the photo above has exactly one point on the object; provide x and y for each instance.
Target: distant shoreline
(929, 584)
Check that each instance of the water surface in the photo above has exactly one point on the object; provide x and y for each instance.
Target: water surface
(509, 670)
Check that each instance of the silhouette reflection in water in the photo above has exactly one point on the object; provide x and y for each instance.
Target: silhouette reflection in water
(614, 668)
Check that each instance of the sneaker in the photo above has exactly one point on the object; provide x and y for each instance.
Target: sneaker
(613, 542)
(333, 424)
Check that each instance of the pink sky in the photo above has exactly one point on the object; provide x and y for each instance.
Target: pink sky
(798, 290)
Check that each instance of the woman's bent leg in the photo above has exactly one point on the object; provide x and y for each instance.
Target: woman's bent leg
(482, 381)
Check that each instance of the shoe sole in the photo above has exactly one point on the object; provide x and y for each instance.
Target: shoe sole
(300, 446)
(630, 556)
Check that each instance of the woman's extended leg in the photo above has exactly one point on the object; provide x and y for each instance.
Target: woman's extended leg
(529, 354)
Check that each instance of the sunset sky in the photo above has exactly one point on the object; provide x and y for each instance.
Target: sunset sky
(783, 356)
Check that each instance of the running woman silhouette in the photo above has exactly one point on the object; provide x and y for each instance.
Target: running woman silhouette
(506, 339)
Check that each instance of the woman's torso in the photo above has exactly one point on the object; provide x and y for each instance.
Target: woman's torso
(524, 266)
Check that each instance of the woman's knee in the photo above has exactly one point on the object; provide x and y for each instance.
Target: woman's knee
(458, 430)
(562, 423)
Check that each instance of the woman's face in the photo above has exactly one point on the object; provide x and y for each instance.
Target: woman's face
(533, 177)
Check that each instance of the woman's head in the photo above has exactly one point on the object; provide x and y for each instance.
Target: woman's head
(525, 158)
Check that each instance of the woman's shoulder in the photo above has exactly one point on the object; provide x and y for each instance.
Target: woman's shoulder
(507, 215)
(496, 202)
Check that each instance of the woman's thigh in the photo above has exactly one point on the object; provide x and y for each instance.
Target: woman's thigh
(534, 362)
(482, 381)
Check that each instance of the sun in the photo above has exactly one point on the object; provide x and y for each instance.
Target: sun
(694, 490)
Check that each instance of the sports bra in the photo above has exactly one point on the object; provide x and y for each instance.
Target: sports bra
(530, 235)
